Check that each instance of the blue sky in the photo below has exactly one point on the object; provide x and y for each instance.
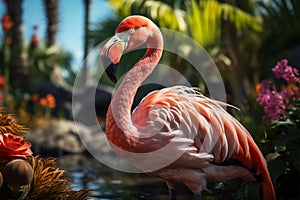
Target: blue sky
(71, 22)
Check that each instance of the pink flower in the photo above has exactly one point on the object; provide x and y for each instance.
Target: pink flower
(275, 103)
(288, 73)
(271, 100)
(13, 147)
(264, 92)
(274, 107)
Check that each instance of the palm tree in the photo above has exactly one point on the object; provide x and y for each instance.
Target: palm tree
(18, 73)
(47, 60)
(51, 9)
(87, 8)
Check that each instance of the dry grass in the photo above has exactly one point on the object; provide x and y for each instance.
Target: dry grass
(8, 124)
(51, 183)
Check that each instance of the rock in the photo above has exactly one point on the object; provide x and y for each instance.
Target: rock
(59, 137)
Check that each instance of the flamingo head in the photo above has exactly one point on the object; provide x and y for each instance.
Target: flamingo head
(131, 33)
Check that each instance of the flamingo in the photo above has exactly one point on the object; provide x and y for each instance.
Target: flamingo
(175, 133)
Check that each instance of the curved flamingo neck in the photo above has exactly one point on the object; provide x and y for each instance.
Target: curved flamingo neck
(120, 107)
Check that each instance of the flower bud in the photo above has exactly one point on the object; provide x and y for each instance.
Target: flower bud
(17, 173)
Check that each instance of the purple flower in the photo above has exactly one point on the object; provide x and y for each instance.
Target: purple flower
(264, 92)
(275, 103)
(275, 109)
(274, 106)
(288, 73)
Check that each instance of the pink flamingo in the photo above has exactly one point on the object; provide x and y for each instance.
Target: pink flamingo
(205, 143)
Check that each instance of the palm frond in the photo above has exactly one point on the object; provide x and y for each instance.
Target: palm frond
(165, 15)
(43, 60)
(204, 19)
(102, 30)
(241, 19)
(281, 26)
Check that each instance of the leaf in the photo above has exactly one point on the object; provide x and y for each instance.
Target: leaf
(277, 167)
(249, 191)
(294, 153)
(282, 123)
(292, 134)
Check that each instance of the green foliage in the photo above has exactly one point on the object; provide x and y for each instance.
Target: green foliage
(202, 20)
(164, 14)
(43, 60)
(102, 31)
(205, 20)
(281, 27)
(285, 139)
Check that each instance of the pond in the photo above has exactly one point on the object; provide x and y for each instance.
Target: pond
(107, 184)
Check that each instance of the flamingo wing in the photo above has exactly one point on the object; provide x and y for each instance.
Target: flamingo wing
(213, 135)
(200, 119)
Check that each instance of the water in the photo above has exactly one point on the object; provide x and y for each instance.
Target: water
(107, 184)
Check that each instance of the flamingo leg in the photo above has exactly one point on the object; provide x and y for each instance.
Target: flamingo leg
(171, 186)
(172, 194)
(197, 196)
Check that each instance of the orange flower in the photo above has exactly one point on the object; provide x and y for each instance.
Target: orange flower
(43, 102)
(13, 147)
(35, 97)
(257, 88)
(50, 97)
(7, 23)
(51, 100)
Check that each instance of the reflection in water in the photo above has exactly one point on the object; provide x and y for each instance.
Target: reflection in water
(106, 183)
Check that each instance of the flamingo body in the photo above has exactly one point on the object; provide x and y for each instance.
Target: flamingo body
(199, 132)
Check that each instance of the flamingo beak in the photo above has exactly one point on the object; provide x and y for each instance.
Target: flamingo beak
(111, 55)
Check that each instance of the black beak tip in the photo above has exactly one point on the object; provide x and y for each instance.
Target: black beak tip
(110, 68)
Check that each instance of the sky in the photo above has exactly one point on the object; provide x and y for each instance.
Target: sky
(71, 22)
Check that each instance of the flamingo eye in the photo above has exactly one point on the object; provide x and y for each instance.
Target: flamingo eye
(131, 31)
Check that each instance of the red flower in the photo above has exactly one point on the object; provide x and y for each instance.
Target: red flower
(7, 23)
(2, 81)
(8, 40)
(13, 147)
(35, 97)
(34, 40)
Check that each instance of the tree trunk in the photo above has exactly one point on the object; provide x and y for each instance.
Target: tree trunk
(87, 6)
(238, 79)
(18, 76)
(51, 8)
